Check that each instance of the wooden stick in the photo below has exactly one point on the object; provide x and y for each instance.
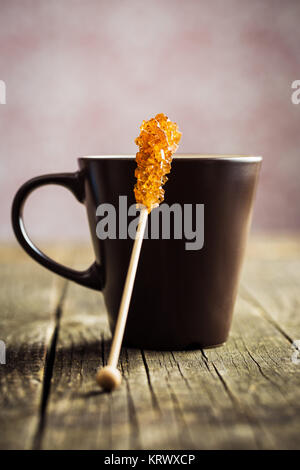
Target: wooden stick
(109, 377)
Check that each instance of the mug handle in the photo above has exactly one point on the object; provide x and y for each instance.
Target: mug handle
(91, 277)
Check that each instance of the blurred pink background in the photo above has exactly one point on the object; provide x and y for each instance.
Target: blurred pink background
(82, 75)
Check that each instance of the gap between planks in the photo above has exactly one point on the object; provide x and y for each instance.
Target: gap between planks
(48, 369)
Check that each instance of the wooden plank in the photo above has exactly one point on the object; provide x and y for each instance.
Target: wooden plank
(74, 409)
(138, 415)
(271, 282)
(258, 374)
(29, 297)
(243, 395)
(167, 400)
(148, 411)
(206, 416)
(79, 415)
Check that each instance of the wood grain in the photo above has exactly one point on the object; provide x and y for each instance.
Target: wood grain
(30, 302)
(243, 395)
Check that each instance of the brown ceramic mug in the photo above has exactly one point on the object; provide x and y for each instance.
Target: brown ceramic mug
(181, 298)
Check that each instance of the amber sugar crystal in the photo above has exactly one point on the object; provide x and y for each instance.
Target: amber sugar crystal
(158, 140)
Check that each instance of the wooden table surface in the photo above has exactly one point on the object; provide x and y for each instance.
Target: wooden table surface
(244, 395)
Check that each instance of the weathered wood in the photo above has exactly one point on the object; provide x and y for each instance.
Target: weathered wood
(79, 415)
(272, 285)
(244, 395)
(29, 297)
(230, 397)
(258, 375)
(74, 410)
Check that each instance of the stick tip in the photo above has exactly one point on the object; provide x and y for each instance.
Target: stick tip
(108, 378)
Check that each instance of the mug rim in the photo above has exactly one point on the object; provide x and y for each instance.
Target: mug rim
(183, 156)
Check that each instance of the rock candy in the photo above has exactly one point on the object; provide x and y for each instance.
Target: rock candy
(158, 140)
